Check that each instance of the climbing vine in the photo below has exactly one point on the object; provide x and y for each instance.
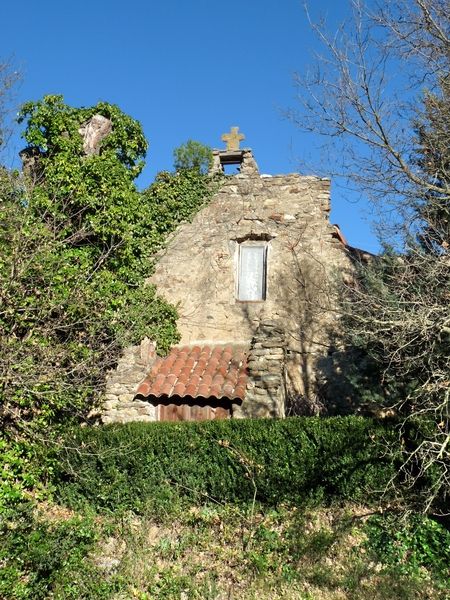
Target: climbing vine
(76, 245)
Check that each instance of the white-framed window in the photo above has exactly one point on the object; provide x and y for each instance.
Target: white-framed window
(252, 271)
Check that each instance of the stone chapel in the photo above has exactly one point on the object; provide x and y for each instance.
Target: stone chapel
(254, 277)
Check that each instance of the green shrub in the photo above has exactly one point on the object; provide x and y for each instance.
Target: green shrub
(41, 559)
(18, 472)
(136, 466)
(410, 545)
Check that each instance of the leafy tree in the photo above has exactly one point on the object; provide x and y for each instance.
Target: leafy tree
(393, 138)
(193, 155)
(77, 241)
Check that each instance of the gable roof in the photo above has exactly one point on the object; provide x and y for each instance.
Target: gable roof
(198, 372)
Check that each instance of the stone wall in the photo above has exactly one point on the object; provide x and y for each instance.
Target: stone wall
(291, 332)
(198, 272)
(266, 389)
(245, 157)
(121, 385)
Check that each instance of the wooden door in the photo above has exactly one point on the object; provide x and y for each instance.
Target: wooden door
(184, 412)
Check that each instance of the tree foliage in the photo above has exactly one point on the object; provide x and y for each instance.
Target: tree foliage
(77, 242)
(380, 95)
(193, 155)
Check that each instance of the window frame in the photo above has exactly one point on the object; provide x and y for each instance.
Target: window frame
(256, 243)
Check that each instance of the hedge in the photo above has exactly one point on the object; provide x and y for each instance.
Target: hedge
(137, 465)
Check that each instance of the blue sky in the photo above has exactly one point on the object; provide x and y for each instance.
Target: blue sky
(186, 69)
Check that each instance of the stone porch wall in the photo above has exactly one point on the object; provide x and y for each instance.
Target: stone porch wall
(121, 385)
(266, 390)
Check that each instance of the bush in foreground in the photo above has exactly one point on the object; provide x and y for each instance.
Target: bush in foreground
(137, 465)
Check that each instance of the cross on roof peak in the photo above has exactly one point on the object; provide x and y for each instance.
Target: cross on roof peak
(233, 138)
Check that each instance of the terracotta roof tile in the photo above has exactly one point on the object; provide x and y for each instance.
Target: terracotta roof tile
(208, 372)
(144, 388)
(179, 388)
(165, 390)
(191, 389)
(203, 391)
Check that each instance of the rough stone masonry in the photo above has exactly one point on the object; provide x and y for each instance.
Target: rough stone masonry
(290, 330)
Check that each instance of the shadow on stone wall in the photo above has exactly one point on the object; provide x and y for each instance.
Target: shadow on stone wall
(323, 374)
(337, 378)
(309, 312)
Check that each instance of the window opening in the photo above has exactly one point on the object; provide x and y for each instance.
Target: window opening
(252, 271)
(231, 168)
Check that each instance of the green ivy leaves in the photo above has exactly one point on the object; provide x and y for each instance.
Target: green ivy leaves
(78, 240)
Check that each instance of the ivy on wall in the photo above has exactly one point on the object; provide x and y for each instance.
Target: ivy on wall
(76, 245)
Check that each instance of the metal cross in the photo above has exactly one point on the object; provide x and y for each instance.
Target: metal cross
(233, 138)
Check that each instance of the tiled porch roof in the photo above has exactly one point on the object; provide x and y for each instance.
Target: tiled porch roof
(218, 371)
